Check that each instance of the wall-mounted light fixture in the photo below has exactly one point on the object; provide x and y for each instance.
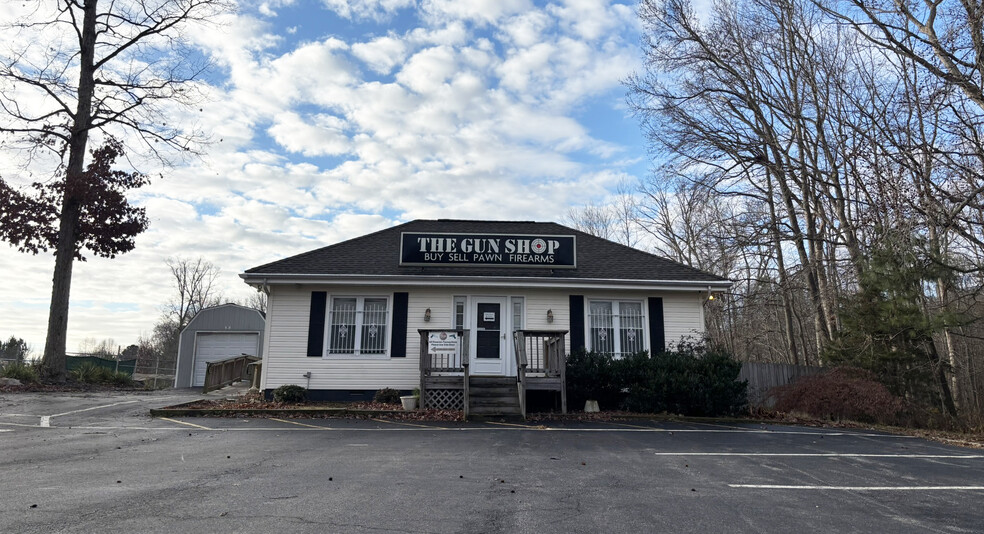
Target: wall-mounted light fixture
(427, 315)
(549, 316)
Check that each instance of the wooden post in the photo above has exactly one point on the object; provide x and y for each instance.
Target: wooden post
(463, 349)
(519, 341)
(562, 361)
(423, 368)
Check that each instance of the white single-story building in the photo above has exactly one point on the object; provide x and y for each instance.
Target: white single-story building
(422, 303)
(217, 333)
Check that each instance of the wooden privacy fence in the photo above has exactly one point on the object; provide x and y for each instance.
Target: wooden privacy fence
(764, 376)
(221, 373)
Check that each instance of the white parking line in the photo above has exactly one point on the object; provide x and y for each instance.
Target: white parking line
(193, 425)
(20, 424)
(305, 425)
(46, 419)
(859, 488)
(823, 455)
(93, 408)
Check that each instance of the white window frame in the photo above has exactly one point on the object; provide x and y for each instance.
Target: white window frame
(356, 354)
(513, 302)
(616, 302)
(459, 300)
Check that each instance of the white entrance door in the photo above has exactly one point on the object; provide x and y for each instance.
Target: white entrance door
(213, 347)
(489, 339)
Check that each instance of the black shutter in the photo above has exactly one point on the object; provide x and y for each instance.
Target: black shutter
(398, 346)
(657, 336)
(577, 322)
(316, 324)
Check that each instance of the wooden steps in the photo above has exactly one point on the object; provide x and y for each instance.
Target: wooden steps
(494, 396)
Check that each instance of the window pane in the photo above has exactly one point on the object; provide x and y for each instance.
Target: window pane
(602, 331)
(374, 327)
(630, 327)
(341, 339)
(459, 313)
(517, 309)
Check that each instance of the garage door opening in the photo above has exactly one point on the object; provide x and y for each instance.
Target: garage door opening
(211, 347)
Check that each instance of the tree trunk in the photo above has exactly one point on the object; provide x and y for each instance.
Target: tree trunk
(53, 361)
(943, 383)
(787, 301)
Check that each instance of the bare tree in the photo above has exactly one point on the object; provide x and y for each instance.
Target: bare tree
(106, 347)
(944, 37)
(791, 145)
(256, 300)
(80, 70)
(195, 289)
(615, 220)
(597, 220)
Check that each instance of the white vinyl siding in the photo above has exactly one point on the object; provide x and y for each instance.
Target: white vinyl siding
(683, 317)
(285, 348)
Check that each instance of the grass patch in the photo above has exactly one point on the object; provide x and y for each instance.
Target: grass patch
(25, 372)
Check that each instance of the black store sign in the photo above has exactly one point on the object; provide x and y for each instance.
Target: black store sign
(549, 251)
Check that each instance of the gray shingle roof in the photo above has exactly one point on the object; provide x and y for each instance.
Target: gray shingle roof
(378, 254)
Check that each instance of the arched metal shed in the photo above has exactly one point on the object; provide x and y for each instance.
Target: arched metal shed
(217, 333)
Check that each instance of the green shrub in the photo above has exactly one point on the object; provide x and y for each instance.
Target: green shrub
(591, 375)
(290, 394)
(88, 373)
(91, 373)
(119, 378)
(24, 372)
(387, 396)
(691, 380)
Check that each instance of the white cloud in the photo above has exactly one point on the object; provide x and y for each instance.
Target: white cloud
(526, 29)
(381, 54)
(428, 69)
(478, 11)
(320, 135)
(471, 110)
(366, 9)
(593, 19)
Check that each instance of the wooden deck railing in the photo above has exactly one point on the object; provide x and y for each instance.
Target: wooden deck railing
(443, 362)
(221, 373)
(541, 353)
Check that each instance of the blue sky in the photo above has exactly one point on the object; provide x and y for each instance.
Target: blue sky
(341, 118)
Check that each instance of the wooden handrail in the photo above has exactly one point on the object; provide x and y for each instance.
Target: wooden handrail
(466, 385)
(540, 352)
(221, 373)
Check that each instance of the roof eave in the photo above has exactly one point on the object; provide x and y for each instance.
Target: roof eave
(485, 281)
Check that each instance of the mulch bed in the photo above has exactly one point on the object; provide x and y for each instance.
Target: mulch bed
(254, 405)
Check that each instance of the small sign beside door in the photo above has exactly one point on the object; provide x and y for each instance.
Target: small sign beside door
(442, 343)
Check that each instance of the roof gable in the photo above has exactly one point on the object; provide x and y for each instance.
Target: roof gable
(378, 254)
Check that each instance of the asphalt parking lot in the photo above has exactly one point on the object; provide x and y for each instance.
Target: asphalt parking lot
(87, 463)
